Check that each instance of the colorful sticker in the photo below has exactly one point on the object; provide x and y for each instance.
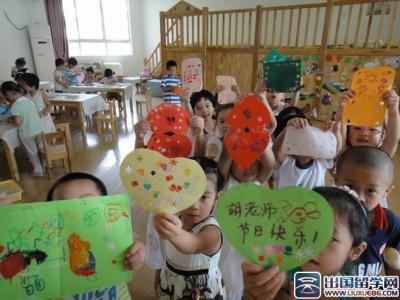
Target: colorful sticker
(285, 227)
(192, 75)
(226, 95)
(161, 184)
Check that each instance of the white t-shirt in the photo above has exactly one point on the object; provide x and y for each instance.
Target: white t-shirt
(58, 74)
(310, 177)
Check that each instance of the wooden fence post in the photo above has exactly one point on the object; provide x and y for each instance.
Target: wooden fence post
(256, 49)
(162, 39)
(205, 45)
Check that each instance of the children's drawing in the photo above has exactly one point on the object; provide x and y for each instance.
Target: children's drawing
(285, 227)
(169, 122)
(161, 184)
(367, 108)
(247, 137)
(310, 141)
(192, 75)
(226, 95)
(283, 76)
(61, 248)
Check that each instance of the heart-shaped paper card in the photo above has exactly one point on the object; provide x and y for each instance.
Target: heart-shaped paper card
(168, 117)
(192, 75)
(171, 145)
(285, 227)
(161, 184)
(310, 141)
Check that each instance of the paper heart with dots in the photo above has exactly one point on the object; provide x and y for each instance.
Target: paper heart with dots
(285, 227)
(367, 108)
(247, 137)
(169, 122)
(161, 184)
(192, 75)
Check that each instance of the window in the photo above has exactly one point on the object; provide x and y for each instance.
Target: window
(97, 27)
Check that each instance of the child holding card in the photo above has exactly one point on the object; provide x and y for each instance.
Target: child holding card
(170, 82)
(347, 245)
(193, 244)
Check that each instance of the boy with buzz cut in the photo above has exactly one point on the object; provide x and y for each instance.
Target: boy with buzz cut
(169, 82)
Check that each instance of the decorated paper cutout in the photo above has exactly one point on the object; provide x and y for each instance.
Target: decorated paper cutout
(285, 227)
(226, 95)
(283, 77)
(62, 248)
(247, 137)
(310, 141)
(366, 108)
(169, 122)
(393, 61)
(160, 184)
(347, 59)
(177, 91)
(192, 75)
(275, 56)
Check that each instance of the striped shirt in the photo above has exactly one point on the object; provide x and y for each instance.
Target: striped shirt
(31, 123)
(171, 81)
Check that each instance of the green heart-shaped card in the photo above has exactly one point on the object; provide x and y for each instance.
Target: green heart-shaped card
(285, 227)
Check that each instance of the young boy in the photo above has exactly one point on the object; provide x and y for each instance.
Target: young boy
(19, 68)
(369, 172)
(169, 82)
(70, 72)
(60, 83)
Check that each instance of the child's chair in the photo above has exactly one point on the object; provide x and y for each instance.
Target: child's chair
(147, 100)
(55, 147)
(107, 117)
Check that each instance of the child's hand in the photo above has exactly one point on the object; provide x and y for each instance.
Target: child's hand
(260, 283)
(297, 122)
(135, 256)
(186, 95)
(197, 124)
(219, 88)
(167, 225)
(345, 97)
(235, 89)
(391, 100)
(331, 126)
(141, 128)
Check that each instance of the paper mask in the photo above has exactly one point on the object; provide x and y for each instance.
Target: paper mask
(226, 95)
(310, 141)
(62, 248)
(285, 227)
(161, 184)
(283, 77)
(192, 75)
(366, 108)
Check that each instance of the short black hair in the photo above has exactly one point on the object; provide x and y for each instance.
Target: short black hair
(171, 63)
(30, 79)
(10, 86)
(89, 69)
(223, 107)
(349, 209)
(285, 115)
(59, 62)
(20, 61)
(196, 97)
(72, 61)
(368, 158)
(108, 72)
(210, 167)
(77, 176)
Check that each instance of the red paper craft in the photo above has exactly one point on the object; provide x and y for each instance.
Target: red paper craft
(169, 122)
(247, 137)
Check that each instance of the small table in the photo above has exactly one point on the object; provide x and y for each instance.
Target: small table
(47, 86)
(139, 81)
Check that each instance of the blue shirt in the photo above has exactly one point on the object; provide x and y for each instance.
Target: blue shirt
(70, 76)
(171, 81)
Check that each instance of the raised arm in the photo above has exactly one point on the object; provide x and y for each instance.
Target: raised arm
(267, 165)
(391, 140)
(47, 104)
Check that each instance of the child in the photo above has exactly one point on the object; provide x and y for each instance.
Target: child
(385, 137)
(90, 78)
(109, 77)
(82, 185)
(193, 245)
(18, 69)
(348, 243)
(304, 171)
(25, 116)
(369, 171)
(30, 83)
(70, 73)
(60, 82)
(169, 82)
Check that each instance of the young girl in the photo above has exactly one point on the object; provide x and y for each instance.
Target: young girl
(109, 77)
(25, 116)
(193, 245)
(347, 245)
(30, 83)
(82, 185)
(90, 78)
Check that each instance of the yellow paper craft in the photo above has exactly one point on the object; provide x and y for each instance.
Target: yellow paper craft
(161, 184)
(367, 109)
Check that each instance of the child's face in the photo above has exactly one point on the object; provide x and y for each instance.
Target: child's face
(79, 188)
(364, 136)
(204, 109)
(171, 71)
(247, 175)
(26, 87)
(221, 125)
(203, 207)
(275, 98)
(371, 185)
(12, 95)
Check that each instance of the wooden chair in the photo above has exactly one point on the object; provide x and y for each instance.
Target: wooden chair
(54, 148)
(107, 117)
(64, 126)
(147, 100)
